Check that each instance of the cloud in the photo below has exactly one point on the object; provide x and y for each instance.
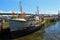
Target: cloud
(9, 11)
(49, 12)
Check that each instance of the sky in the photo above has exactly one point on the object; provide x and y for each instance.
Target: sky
(45, 6)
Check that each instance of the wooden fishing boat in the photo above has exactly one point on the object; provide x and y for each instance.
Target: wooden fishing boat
(22, 25)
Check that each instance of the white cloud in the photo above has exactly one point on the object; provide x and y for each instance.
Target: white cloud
(4, 11)
(49, 12)
(1, 11)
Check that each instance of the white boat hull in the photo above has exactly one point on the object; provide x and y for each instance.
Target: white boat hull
(19, 25)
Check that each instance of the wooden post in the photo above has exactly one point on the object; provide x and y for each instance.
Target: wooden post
(1, 25)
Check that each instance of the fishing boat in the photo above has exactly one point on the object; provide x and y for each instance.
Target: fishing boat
(22, 25)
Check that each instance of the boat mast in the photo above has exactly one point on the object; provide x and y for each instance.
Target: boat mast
(21, 8)
(38, 12)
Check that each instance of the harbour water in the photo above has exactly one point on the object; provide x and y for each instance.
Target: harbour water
(49, 33)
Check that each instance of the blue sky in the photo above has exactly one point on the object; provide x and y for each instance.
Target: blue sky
(30, 5)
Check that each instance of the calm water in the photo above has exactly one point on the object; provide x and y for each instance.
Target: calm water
(49, 33)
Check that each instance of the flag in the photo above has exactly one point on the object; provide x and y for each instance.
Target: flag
(24, 14)
(13, 13)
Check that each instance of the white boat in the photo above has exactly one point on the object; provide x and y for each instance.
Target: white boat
(22, 23)
(21, 26)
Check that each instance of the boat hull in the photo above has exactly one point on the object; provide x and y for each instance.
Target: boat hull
(21, 33)
(19, 28)
(18, 25)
